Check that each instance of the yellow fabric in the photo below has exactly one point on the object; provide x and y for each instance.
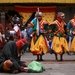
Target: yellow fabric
(5, 67)
(72, 47)
(40, 46)
(25, 16)
(59, 44)
(37, 1)
(49, 17)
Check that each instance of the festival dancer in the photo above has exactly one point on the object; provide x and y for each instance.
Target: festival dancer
(59, 43)
(38, 43)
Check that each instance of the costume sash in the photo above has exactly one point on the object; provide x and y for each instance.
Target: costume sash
(72, 22)
(60, 26)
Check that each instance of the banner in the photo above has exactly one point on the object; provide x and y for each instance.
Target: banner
(34, 8)
(26, 11)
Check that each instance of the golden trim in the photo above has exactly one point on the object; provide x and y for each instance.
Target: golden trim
(37, 1)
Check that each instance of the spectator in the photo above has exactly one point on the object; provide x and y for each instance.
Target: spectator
(2, 37)
(16, 19)
(16, 32)
(10, 56)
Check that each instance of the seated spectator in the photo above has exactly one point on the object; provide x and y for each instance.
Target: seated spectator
(16, 19)
(16, 32)
(2, 37)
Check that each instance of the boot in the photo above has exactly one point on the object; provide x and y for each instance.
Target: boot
(37, 58)
(41, 58)
(61, 57)
(56, 58)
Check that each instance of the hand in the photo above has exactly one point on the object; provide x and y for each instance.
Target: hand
(22, 68)
(73, 33)
(64, 35)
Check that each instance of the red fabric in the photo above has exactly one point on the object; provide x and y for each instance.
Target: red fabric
(22, 69)
(1, 44)
(20, 42)
(34, 9)
(19, 34)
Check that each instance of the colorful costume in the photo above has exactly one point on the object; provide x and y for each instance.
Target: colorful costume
(38, 43)
(59, 43)
(71, 33)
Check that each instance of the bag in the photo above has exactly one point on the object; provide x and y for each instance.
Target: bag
(36, 67)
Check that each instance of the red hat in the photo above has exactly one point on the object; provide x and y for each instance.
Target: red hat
(20, 43)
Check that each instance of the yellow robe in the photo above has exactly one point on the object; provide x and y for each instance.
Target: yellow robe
(40, 46)
(72, 47)
(59, 45)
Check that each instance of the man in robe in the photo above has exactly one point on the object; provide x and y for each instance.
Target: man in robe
(59, 42)
(16, 33)
(71, 34)
(38, 42)
(10, 57)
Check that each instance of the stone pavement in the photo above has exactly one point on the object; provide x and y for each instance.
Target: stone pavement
(65, 67)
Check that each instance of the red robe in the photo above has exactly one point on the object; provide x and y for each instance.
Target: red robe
(2, 32)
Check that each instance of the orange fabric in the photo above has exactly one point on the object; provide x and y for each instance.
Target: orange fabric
(73, 22)
(60, 26)
(5, 67)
